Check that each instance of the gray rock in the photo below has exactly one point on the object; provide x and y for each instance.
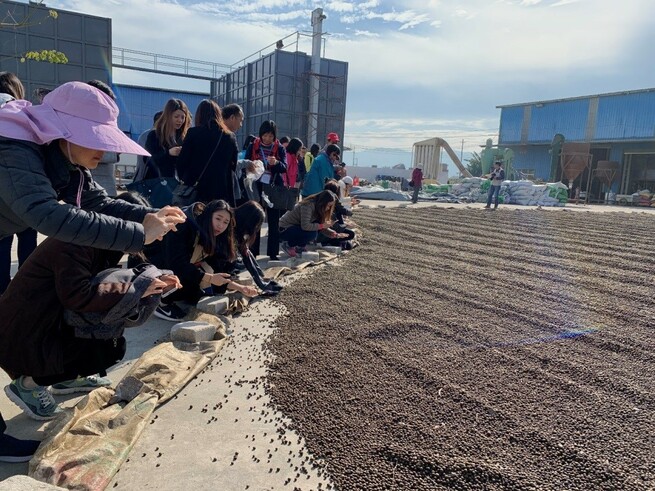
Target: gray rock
(213, 305)
(25, 483)
(193, 332)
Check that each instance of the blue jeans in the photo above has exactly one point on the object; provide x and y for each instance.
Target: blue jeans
(296, 236)
(493, 191)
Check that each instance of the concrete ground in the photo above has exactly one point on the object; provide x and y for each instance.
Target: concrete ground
(220, 432)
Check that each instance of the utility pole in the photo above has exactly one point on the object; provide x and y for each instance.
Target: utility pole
(461, 153)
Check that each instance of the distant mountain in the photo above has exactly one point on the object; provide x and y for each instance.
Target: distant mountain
(389, 157)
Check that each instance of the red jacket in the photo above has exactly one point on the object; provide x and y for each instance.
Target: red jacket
(417, 177)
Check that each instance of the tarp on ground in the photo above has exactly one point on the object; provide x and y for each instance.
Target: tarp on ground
(377, 192)
(86, 447)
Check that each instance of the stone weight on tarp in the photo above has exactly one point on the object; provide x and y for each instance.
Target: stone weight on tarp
(193, 331)
(213, 305)
(24, 483)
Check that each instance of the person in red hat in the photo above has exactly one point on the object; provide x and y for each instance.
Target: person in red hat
(332, 139)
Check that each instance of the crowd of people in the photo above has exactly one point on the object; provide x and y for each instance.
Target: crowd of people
(66, 308)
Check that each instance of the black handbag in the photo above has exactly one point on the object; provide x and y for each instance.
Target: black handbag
(158, 190)
(281, 197)
(186, 194)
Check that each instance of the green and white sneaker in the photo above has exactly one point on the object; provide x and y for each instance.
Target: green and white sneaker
(80, 384)
(37, 403)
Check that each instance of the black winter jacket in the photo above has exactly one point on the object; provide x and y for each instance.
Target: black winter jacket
(218, 180)
(34, 178)
(174, 252)
(59, 276)
(160, 163)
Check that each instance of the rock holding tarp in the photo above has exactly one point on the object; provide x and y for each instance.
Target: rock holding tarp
(25, 483)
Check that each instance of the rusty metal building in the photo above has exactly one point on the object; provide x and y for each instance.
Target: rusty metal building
(618, 127)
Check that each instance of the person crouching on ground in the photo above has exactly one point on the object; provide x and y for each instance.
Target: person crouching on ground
(497, 177)
(301, 225)
(64, 314)
(339, 225)
(249, 218)
(202, 254)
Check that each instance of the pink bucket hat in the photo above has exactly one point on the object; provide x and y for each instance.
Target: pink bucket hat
(74, 111)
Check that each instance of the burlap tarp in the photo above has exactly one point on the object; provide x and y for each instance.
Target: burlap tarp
(298, 265)
(84, 449)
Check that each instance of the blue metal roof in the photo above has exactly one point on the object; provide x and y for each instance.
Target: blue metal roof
(139, 104)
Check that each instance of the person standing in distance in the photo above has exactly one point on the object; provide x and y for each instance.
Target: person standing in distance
(497, 177)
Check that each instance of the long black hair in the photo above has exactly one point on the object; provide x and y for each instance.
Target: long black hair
(211, 245)
(294, 146)
(249, 218)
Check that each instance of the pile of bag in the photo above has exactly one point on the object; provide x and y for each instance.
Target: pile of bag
(642, 198)
(474, 190)
(527, 193)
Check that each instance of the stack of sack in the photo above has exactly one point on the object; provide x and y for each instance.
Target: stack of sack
(528, 193)
(475, 189)
(642, 198)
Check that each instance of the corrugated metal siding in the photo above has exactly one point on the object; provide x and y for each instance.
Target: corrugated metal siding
(532, 157)
(568, 118)
(511, 122)
(626, 117)
(276, 87)
(138, 105)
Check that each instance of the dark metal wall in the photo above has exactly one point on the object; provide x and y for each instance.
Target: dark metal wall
(277, 87)
(85, 39)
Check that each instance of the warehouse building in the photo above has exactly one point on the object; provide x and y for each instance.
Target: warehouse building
(617, 127)
(304, 94)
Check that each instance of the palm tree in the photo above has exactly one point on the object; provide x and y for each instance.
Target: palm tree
(474, 164)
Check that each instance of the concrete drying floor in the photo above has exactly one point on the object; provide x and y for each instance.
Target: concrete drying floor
(221, 432)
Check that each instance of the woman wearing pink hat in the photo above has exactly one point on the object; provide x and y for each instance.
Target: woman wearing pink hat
(46, 152)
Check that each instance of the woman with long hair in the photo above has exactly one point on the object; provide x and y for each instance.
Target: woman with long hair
(270, 151)
(165, 142)
(293, 162)
(201, 253)
(301, 225)
(249, 218)
(209, 155)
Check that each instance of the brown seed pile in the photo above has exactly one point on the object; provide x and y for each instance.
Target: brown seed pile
(458, 349)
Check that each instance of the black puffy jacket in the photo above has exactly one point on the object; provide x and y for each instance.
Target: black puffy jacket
(34, 178)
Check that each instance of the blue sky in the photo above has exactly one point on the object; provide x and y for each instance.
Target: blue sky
(417, 69)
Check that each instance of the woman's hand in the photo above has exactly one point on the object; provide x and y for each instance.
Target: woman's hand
(271, 160)
(248, 291)
(156, 225)
(218, 279)
(156, 287)
(174, 151)
(162, 284)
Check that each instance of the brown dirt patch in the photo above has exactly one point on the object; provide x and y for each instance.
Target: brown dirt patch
(458, 349)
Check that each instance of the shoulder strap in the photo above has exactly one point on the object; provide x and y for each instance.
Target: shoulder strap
(209, 159)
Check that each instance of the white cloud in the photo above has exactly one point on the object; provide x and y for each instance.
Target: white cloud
(366, 34)
(338, 6)
(488, 51)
